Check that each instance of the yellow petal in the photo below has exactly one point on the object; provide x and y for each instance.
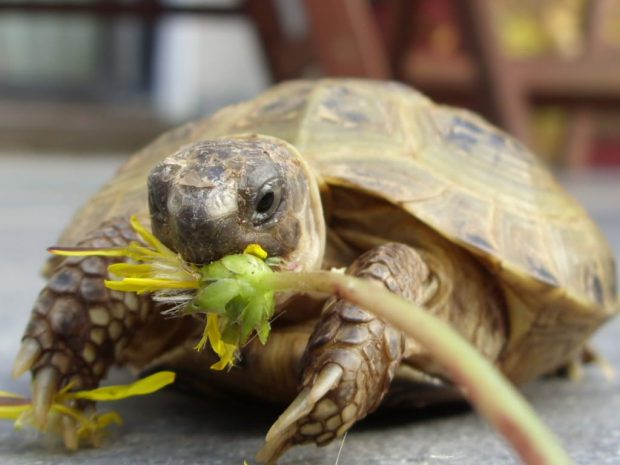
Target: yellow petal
(88, 251)
(226, 352)
(11, 395)
(256, 250)
(106, 419)
(131, 270)
(227, 357)
(213, 328)
(141, 285)
(13, 412)
(13, 406)
(141, 387)
(199, 347)
(210, 334)
(100, 421)
(82, 419)
(141, 253)
(149, 237)
(26, 418)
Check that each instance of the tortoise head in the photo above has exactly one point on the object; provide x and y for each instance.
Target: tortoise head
(215, 197)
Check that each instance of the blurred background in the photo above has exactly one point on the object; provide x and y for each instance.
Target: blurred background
(109, 75)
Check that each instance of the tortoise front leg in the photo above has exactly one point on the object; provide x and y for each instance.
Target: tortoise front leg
(78, 327)
(351, 357)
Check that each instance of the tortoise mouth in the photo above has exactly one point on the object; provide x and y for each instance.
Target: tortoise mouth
(205, 247)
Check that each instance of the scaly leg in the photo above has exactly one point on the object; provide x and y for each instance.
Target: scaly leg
(573, 370)
(78, 327)
(351, 357)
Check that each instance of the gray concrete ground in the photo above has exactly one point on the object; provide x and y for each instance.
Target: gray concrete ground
(38, 195)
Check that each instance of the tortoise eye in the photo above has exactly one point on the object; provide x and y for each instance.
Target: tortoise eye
(268, 201)
(265, 203)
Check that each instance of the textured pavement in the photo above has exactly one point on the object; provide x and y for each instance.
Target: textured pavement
(38, 195)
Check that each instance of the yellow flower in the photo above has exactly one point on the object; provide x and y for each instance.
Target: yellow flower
(159, 268)
(224, 290)
(212, 332)
(235, 302)
(19, 409)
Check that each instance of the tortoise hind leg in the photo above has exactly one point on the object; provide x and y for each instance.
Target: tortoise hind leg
(351, 357)
(573, 369)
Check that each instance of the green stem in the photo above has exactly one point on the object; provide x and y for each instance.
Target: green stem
(489, 392)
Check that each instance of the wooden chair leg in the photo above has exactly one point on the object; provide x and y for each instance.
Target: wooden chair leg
(579, 139)
(346, 38)
(501, 90)
(286, 57)
(398, 33)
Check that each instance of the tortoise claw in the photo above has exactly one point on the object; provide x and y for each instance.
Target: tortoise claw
(69, 433)
(606, 368)
(44, 388)
(26, 357)
(283, 432)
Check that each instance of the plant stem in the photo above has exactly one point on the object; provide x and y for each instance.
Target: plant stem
(483, 385)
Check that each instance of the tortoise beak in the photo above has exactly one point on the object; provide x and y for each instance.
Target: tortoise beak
(208, 241)
(200, 224)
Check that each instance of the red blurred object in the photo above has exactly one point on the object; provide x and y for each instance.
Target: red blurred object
(606, 153)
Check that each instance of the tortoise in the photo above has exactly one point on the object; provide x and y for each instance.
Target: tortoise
(431, 201)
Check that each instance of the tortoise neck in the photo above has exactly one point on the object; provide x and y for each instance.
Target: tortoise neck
(308, 255)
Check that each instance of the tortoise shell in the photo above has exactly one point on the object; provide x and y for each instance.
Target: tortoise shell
(468, 181)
